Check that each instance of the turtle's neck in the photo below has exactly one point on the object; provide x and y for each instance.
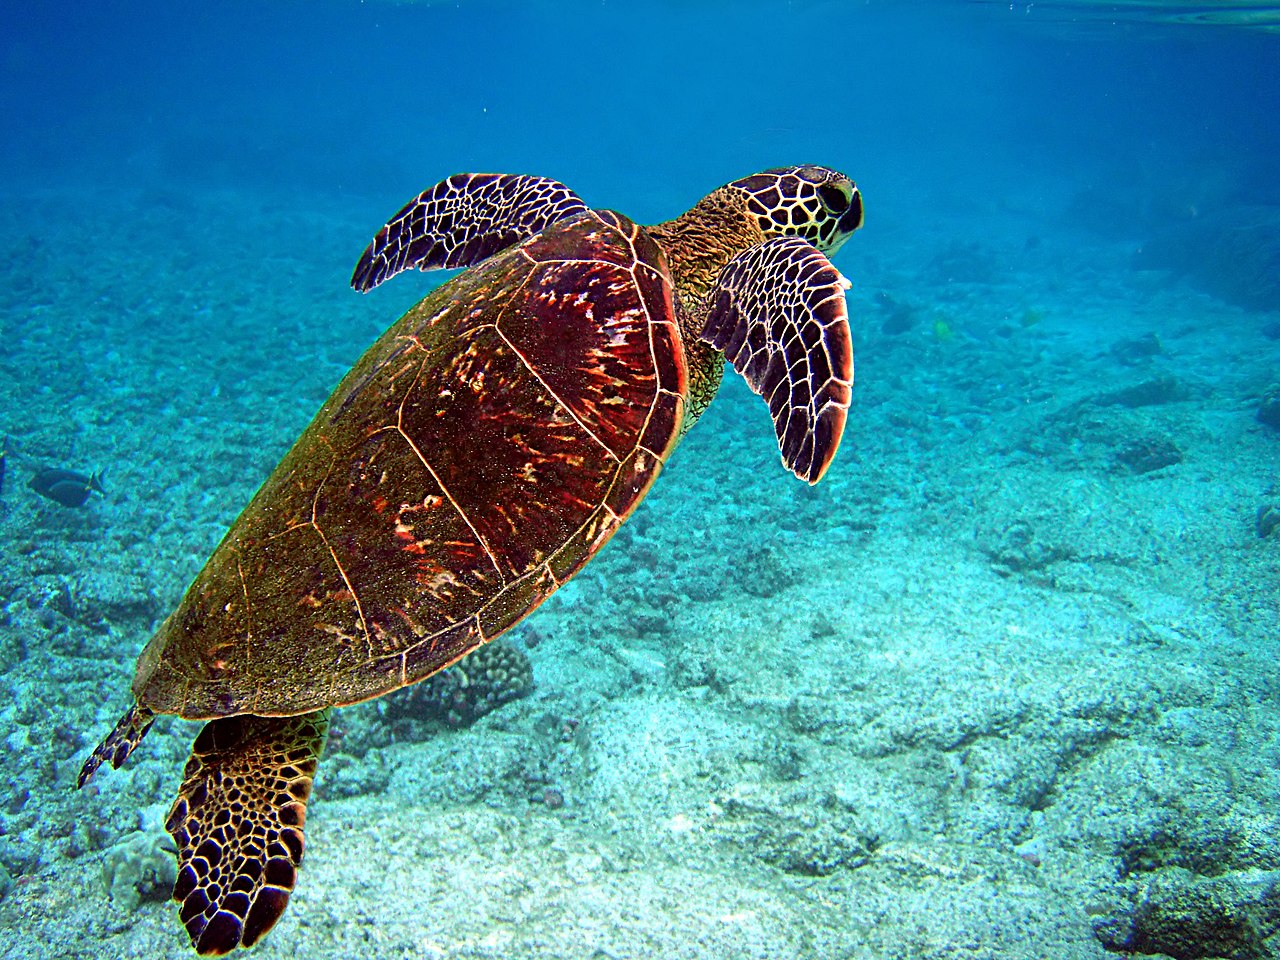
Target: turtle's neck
(697, 245)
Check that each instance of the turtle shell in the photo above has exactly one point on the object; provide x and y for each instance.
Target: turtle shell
(473, 460)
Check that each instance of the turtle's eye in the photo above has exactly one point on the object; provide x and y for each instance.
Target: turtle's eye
(834, 199)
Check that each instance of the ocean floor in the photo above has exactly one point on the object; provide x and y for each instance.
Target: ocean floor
(1004, 685)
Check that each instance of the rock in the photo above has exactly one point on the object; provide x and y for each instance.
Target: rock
(1137, 349)
(1205, 847)
(962, 262)
(1232, 252)
(121, 599)
(1147, 393)
(345, 776)
(899, 317)
(762, 572)
(1267, 519)
(805, 838)
(1147, 454)
(1018, 549)
(1269, 409)
(1186, 917)
(140, 867)
(99, 599)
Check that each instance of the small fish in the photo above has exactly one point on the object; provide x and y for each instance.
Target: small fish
(67, 488)
(4, 455)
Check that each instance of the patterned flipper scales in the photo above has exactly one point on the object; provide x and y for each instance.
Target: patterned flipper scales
(463, 220)
(119, 743)
(778, 313)
(238, 823)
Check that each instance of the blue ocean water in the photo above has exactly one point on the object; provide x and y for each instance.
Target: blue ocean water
(1002, 684)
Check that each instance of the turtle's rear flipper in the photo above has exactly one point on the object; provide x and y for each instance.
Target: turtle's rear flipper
(119, 743)
(778, 313)
(463, 220)
(238, 825)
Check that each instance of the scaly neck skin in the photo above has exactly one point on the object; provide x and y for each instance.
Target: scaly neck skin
(698, 244)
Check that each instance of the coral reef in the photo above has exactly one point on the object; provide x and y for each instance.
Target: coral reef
(497, 673)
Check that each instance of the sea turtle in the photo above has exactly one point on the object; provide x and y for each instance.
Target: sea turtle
(480, 452)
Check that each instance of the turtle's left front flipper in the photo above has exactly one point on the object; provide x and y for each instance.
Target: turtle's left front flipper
(462, 221)
(778, 313)
(238, 824)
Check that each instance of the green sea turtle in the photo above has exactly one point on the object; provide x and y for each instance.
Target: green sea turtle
(481, 451)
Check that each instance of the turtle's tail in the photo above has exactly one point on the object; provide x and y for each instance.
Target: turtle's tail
(119, 743)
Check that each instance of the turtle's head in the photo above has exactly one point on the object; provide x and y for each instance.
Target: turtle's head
(817, 203)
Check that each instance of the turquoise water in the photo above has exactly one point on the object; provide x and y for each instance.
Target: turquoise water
(1002, 685)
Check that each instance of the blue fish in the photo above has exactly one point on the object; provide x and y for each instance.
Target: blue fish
(67, 488)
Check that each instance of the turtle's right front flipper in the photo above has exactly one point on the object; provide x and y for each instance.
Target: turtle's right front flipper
(778, 312)
(463, 220)
(238, 824)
